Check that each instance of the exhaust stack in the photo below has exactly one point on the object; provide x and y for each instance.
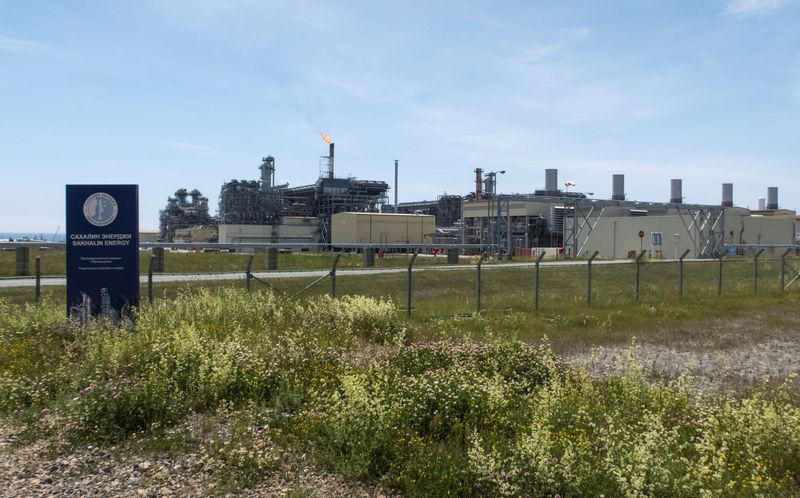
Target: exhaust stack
(676, 191)
(330, 170)
(478, 183)
(772, 197)
(551, 182)
(618, 188)
(727, 195)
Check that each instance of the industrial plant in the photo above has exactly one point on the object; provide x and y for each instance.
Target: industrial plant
(342, 212)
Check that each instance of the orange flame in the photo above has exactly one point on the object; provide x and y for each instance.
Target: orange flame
(326, 137)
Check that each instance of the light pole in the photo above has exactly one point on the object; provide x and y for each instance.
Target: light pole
(492, 193)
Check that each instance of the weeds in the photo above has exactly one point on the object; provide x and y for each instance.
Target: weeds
(343, 379)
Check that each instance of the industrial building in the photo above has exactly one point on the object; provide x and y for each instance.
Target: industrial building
(618, 228)
(261, 211)
(341, 211)
(382, 228)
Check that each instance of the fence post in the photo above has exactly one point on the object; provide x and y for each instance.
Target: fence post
(719, 274)
(680, 273)
(410, 264)
(249, 275)
(783, 268)
(150, 279)
(333, 274)
(38, 278)
(589, 282)
(755, 271)
(23, 261)
(638, 261)
(480, 262)
(536, 282)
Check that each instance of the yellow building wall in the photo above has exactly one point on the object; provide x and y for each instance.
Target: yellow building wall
(382, 228)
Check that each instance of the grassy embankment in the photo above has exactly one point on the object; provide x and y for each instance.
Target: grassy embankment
(447, 403)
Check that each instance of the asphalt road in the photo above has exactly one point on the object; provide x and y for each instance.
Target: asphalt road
(195, 277)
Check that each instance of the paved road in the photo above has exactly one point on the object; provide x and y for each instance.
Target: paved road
(194, 277)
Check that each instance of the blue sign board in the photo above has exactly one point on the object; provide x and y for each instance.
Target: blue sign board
(102, 249)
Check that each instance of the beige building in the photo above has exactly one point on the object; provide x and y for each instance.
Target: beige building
(293, 229)
(382, 228)
(148, 235)
(195, 234)
(617, 237)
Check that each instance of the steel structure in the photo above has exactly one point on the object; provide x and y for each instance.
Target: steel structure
(446, 208)
(185, 210)
(568, 220)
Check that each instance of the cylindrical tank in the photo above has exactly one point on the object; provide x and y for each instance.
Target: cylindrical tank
(676, 191)
(618, 188)
(727, 194)
(772, 197)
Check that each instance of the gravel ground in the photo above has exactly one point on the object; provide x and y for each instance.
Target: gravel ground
(49, 468)
(724, 355)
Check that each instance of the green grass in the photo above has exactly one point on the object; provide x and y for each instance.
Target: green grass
(443, 301)
(53, 261)
(245, 379)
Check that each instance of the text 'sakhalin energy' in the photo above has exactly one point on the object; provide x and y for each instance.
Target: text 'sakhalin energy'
(102, 249)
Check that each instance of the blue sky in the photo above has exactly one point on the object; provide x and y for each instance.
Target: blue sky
(190, 93)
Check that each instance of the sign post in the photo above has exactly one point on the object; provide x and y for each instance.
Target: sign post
(102, 250)
(641, 240)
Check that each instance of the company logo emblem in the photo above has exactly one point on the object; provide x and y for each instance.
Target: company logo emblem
(100, 209)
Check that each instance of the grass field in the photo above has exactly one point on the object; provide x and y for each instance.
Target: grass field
(53, 261)
(668, 396)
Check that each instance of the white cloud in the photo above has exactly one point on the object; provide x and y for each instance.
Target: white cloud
(745, 8)
(18, 46)
(190, 147)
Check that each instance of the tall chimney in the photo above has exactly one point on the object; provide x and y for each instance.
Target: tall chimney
(676, 191)
(772, 197)
(330, 170)
(618, 188)
(395, 185)
(551, 182)
(478, 183)
(727, 195)
(267, 173)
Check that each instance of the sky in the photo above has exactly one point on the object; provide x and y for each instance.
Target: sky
(171, 94)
